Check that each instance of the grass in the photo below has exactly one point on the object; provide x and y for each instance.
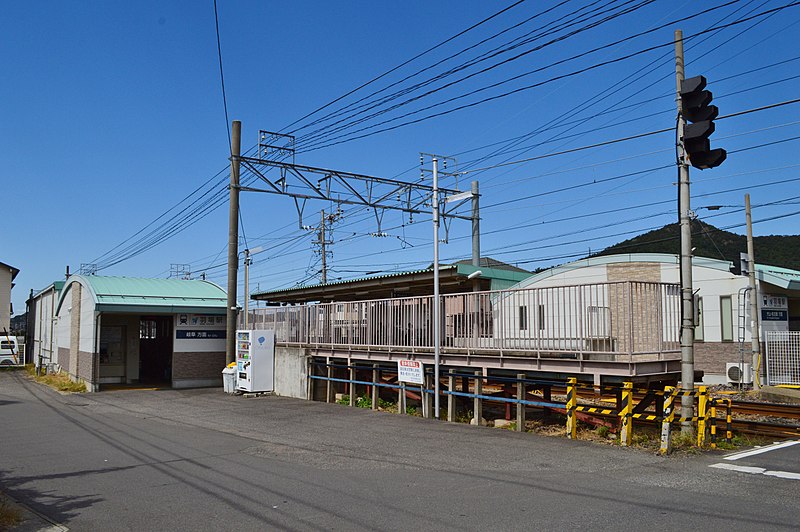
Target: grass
(57, 381)
(365, 401)
(9, 514)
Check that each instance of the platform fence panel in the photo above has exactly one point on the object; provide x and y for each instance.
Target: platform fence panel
(783, 357)
(624, 318)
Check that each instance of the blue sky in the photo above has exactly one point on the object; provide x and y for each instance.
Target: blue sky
(112, 115)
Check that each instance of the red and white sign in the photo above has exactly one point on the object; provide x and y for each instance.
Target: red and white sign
(410, 371)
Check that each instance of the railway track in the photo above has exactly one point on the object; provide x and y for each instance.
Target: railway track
(766, 409)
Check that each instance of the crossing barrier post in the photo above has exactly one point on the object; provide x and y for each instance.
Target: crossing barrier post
(626, 413)
(572, 404)
(702, 414)
(728, 422)
(713, 419)
(666, 420)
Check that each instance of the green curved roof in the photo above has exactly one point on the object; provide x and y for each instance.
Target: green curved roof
(136, 294)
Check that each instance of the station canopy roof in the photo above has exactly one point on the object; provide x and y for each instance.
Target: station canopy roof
(143, 295)
(453, 278)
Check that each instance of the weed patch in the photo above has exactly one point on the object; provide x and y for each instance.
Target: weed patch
(57, 381)
(9, 514)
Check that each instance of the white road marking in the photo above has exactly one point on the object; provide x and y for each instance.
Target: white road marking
(783, 474)
(757, 471)
(740, 469)
(762, 450)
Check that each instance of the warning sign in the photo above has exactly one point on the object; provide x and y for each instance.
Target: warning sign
(410, 371)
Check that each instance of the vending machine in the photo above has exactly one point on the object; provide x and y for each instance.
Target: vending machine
(255, 361)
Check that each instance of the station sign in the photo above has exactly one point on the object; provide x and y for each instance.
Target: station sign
(411, 371)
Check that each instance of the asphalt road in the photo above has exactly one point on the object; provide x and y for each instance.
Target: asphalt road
(202, 460)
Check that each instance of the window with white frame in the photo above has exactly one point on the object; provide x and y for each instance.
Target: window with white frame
(726, 318)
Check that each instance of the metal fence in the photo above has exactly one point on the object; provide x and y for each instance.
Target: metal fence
(631, 318)
(783, 357)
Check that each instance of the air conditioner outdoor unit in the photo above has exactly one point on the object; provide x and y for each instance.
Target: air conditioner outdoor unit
(739, 373)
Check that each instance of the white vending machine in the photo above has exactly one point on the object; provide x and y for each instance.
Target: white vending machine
(255, 361)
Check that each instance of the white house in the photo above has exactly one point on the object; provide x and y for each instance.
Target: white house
(723, 329)
(7, 275)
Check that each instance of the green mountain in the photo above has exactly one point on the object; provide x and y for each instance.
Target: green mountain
(711, 242)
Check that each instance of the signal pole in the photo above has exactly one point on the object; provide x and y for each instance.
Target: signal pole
(684, 213)
(233, 242)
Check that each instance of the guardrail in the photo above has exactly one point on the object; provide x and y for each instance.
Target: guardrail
(636, 319)
(515, 393)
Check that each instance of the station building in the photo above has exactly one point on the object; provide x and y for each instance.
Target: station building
(124, 330)
(723, 331)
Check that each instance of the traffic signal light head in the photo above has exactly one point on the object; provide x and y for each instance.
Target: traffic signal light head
(695, 109)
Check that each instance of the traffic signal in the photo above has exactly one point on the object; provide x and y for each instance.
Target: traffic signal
(696, 110)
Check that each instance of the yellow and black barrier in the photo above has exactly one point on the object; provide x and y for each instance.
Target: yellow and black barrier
(704, 419)
(728, 420)
(572, 406)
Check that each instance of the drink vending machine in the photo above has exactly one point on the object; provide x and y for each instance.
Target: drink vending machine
(255, 360)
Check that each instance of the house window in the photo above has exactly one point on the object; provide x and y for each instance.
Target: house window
(523, 318)
(698, 327)
(541, 317)
(148, 329)
(726, 318)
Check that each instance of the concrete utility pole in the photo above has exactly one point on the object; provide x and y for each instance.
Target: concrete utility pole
(754, 328)
(322, 247)
(476, 234)
(247, 261)
(436, 309)
(233, 242)
(476, 261)
(685, 214)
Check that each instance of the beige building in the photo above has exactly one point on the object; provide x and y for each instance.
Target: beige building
(7, 275)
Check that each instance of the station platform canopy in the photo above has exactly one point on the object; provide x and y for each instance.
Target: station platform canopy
(453, 278)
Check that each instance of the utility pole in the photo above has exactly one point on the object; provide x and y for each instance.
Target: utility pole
(684, 213)
(755, 335)
(436, 309)
(247, 261)
(476, 234)
(233, 242)
(476, 261)
(322, 247)
(322, 240)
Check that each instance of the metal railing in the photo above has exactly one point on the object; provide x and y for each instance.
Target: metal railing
(783, 357)
(628, 318)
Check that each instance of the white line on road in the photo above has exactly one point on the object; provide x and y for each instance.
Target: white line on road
(762, 450)
(757, 471)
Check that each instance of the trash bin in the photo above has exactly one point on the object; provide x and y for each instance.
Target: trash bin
(229, 379)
